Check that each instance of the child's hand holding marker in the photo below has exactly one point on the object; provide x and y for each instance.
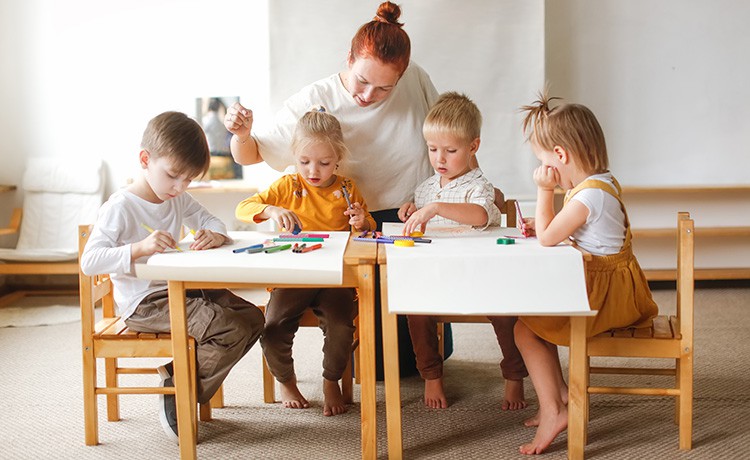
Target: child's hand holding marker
(357, 218)
(156, 241)
(284, 218)
(525, 225)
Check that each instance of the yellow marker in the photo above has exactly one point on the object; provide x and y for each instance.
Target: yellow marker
(151, 230)
(404, 243)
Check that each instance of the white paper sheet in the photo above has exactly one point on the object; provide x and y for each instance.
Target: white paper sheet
(322, 266)
(464, 271)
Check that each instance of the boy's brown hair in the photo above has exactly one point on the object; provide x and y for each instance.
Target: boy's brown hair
(455, 114)
(571, 126)
(181, 139)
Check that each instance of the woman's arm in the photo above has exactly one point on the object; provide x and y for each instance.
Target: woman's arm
(244, 148)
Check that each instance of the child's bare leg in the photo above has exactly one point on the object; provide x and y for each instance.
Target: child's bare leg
(333, 399)
(513, 398)
(534, 421)
(434, 394)
(543, 365)
(291, 396)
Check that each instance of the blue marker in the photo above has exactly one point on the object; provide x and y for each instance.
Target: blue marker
(254, 246)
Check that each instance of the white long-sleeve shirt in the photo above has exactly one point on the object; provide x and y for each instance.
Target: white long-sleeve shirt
(121, 223)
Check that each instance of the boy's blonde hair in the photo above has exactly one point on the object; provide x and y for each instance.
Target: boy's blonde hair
(179, 138)
(455, 114)
(319, 126)
(571, 126)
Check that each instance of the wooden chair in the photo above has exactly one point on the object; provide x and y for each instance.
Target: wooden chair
(110, 339)
(58, 195)
(668, 337)
(507, 207)
(347, 387)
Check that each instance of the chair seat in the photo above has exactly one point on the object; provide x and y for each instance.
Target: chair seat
(659, 340)
(39, 255)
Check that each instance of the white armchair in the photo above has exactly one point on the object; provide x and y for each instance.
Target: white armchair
(58, 196)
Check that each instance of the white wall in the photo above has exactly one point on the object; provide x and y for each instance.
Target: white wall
(492, 50)
(81, 78)
(667, 80)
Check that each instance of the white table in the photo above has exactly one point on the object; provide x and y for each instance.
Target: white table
(458, 274)
(341, 263)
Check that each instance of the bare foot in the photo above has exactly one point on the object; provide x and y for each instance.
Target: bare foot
(291, 396)
(513, 399)
(551, 423)
(333, 400)
(434, 395)
(534, 421)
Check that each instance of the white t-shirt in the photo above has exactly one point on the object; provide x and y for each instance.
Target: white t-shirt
(388, 153)
(604, 230)
(472, 187)
(120, 223)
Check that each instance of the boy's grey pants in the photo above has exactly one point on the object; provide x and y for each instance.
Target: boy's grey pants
(224, 326)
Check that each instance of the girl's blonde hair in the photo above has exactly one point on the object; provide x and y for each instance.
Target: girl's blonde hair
(455, 114)
(319, 126)
(571, 126)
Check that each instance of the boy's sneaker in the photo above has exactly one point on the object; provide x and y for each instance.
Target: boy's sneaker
(167, 406)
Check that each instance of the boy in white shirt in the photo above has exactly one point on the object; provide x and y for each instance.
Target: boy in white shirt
(141, 220)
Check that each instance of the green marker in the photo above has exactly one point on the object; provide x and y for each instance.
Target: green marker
(278, 248)
(506, 241)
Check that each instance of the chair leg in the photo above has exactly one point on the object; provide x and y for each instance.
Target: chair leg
(441, 339)
(204, 410)
(90, 409)
(587, 403)
(269, 384)
(347, 389)
(685, 401)
(217, 401)
(204, 413)
(111, 379)
(357, 371)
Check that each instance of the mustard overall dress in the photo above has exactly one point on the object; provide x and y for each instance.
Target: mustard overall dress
(616, 287)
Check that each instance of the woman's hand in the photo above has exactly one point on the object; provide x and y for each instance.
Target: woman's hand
(239, 121)
(284, 218)
(207, 239)
(406, 210)
(357, 217)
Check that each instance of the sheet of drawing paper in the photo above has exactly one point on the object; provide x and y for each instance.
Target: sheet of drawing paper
(323, 266)
(464, 271)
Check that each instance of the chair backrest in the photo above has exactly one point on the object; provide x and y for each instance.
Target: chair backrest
(685, 275)
(93, 289)
(58, 196)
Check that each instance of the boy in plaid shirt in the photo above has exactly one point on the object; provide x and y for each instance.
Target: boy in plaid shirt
(457, 194)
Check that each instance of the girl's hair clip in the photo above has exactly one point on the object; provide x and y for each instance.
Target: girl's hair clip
(318, 108)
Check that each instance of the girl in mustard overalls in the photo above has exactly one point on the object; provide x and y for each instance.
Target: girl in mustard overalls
(569, 143)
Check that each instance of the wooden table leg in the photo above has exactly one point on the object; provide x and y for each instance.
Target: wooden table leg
(367, 358)
(183, 384)
(392, 373)
(578, 382)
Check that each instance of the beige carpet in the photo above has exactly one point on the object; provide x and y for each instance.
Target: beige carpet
(42, 414)
(38, 311)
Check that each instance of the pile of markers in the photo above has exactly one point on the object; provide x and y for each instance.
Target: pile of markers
(300, 246)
